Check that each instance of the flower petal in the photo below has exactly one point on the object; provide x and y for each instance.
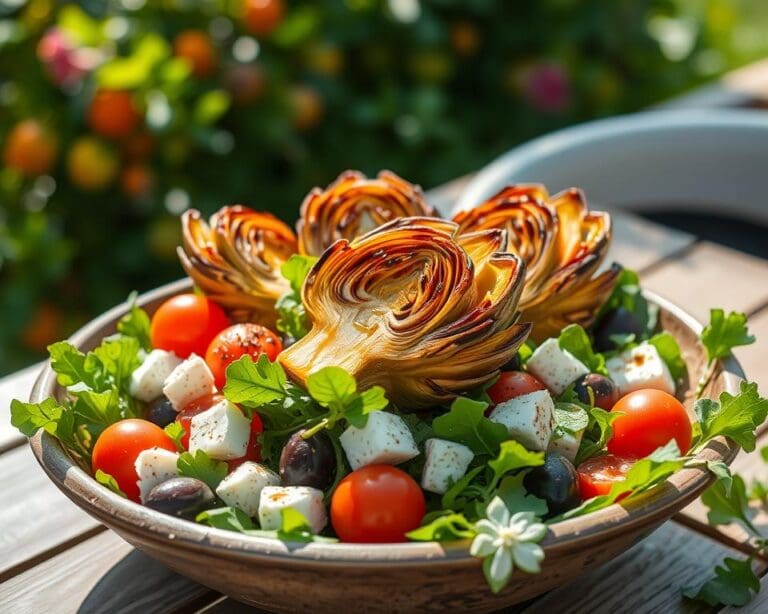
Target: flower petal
(497, 512)
(528, 556)
(487, 527)
(501, 566)
(533, 533)
(482, 546)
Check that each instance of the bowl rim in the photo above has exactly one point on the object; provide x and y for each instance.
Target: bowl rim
(143, 524)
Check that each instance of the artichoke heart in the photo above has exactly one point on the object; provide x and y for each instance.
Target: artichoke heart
(353, 205)
(236, 260)
(415, 308)
(563, 246)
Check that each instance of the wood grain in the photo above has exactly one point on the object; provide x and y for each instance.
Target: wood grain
(753, 357)
(711, 275)
(16, 386)
(649, 577)
(36, 518)
(102, 574)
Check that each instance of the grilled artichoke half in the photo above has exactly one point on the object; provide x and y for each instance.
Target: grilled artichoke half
(563, 245)
(236, 258)
(353, 205)
(415, 308)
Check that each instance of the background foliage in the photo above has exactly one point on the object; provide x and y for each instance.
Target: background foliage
(117, 116)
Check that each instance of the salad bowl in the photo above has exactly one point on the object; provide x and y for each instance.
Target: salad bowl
(284, 576)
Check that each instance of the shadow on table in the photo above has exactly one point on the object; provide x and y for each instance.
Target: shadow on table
(140, 584)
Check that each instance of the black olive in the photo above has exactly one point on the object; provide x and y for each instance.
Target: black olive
(161, 412)
(556, 482)
(308, 462)
(184, 497)
(620, 321)
(604, 391)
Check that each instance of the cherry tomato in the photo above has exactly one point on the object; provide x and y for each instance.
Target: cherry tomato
(253, 453)
(513, 384)
(186, 324)
(119, 445)
(652, 418)
(235, 341)
(375, 504)
(597, 474)
(191, 410)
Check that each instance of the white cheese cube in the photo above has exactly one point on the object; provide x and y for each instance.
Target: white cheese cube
(640, 367)
(384, 439)
(304, 499)
(530, 418)
(242, 488)
(148, 379)
(222, 432)
(566, 445)
(154, 466)
(555, 367)
(445, 463)
(191, 380)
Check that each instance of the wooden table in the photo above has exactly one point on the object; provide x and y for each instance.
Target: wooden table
(56, 558)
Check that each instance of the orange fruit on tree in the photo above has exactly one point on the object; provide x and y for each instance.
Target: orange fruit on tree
(30, 149)
(113, 114)
(196, 47)
(92, 164)
(137, 180)
(44, 328)
(307, 107)
(263, 16)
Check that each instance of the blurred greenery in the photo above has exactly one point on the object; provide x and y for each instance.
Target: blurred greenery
(117, 116)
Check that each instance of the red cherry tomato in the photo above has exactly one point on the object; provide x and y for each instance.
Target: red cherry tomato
(191, 410)
(652, 418)
(186, 324)
(253, 453)
(375, 504)
(598, 474)
(513, 384)
(235, 341)
(118, 446)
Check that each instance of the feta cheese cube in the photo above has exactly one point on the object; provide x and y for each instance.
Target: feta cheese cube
(242, 488)
(304, 499)
(566, 445)
(640, 367)
(446, 462)
(530, 418)
(148, 379)
(385, 439)
(191, 380)
(154, 466)
(222, 432)
(555, 367)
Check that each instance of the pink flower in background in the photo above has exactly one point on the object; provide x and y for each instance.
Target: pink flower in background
(66, 63)
(546, 87)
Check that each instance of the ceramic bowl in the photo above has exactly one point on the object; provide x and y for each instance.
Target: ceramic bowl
(390, 577)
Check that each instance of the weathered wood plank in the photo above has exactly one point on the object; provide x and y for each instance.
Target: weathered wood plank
(16, 386)
(710, 275)
(647, 578)
(753, 357)
(101, 574)
(36, 518)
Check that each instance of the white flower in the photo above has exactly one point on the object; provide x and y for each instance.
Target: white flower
(505, 540)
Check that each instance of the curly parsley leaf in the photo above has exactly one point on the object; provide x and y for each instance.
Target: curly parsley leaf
(736, 416)
(336, 390)
(254, 384)
(69, 363)
(202, 467)
(574, 339)
(513, 456)
(728, 502)
(49, 415)
(176, 432)
(291, 314)
(733, 584)
(227, 518)
(466, 423)
(136, 324)
(294, 527)
(446, 527)
(599, 430)
(571, 417)
(107, 480)
(669, 351)
(516, 496)
(725, 332)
